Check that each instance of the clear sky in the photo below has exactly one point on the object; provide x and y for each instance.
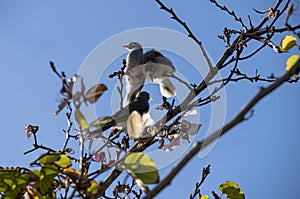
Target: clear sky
(259, 154)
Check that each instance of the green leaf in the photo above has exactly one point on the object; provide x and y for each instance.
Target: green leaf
(93, 189)
(287, 43)
(45, 184)
(290, 63)
(59, 159)
(64, 161)
(141, 167)
(80, 119)
(48, 158)
(232, 190)
(100, 122)
(93, 94)
(50, 169)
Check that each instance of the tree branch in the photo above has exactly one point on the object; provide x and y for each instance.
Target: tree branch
(236, 120)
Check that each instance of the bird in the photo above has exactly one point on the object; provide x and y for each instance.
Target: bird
(135, 115)
(134, 75)
(139, 116)
(140, 104)
(152, 65)
(158, 69)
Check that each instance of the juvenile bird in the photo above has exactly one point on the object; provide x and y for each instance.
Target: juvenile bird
(139, 116)
(158, 69)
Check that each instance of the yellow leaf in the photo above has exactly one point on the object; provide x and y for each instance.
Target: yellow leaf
(204, 197)
(287, 43)
(290, 63)
(80, 119)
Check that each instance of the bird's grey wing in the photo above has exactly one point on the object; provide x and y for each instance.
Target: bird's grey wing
(135, 79)
(167, 89)
(157, 57)
(168, 65)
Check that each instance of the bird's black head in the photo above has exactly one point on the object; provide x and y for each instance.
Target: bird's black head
(144, 96)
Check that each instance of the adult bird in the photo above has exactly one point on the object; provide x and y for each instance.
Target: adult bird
(134, 75)
(153, 65)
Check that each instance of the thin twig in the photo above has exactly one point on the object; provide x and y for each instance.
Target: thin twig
(231, 13)
(190, 33)
(70, 124)
(205, 173)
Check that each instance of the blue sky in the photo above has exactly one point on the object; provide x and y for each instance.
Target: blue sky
(259, 154)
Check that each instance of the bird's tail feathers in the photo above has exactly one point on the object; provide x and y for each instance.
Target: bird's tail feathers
(167, 88)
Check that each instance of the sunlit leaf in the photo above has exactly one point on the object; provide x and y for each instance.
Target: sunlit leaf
(80, 119)
(287, 43)
(290, 63)
(231, 190)
(64, 161)
(58, 159)
(140, 166)
(48, 158)
(204, 197)
(100, 122)
(93, 189)
(93, 94)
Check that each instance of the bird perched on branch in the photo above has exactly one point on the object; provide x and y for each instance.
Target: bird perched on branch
(152, 65)
(134, 75)
(158, 69)
(136, 115)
